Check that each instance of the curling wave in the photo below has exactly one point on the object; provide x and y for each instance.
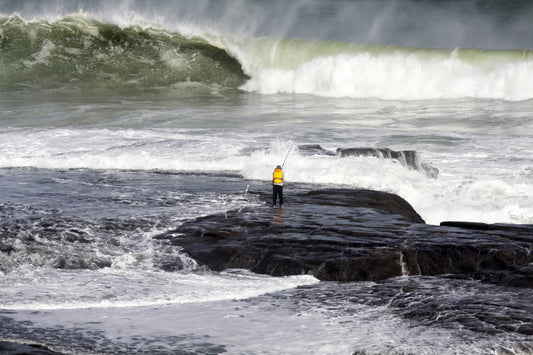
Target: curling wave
(77, 51)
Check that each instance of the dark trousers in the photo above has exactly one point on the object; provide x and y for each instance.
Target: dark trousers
(277, 191)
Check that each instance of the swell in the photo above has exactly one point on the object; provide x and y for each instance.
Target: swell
(77, 51)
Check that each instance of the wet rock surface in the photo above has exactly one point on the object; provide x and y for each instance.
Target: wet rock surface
(431, 301)
(24, 349)
(355, 235)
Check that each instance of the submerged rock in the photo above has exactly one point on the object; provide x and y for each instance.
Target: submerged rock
(353, 235)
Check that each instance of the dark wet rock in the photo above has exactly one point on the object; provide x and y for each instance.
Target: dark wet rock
(314, 149)
(408, 155)
(380, 202)
(505, 265)
(432, 302)
(79, 262)
(169, 263)
(408, 158)
(47, 238)
(4, 248)
(497, 227)
(29, 349)
(353, 235)
(316, 233)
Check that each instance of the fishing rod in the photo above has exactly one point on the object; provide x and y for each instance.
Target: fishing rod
(286, 156)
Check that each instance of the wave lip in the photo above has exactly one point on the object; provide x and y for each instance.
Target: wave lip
(79, 51)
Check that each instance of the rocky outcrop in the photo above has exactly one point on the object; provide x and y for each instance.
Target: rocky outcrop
(353, 235)
(408, 158)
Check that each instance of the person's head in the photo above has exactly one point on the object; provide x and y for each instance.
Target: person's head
(278, 167)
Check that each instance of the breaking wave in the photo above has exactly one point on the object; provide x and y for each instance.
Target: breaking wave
(337, 69)
(78, 51)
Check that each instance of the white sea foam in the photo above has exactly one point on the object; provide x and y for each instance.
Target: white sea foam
(449, 197)
(470, 187)
(286, 323)
(398, 76)
(47, 289)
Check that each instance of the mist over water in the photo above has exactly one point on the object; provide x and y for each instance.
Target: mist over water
(413, 23)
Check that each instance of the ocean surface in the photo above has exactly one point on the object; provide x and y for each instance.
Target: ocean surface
(120, 120)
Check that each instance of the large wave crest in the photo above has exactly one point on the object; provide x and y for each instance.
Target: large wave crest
(77, 51)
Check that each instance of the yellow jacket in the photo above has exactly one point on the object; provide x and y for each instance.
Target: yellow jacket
(277, 177)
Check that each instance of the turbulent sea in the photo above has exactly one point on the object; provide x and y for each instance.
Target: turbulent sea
(121, 120)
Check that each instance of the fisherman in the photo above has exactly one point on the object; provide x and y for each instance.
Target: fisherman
(277, 186)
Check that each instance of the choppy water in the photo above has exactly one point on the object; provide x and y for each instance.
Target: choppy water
(119, 121)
